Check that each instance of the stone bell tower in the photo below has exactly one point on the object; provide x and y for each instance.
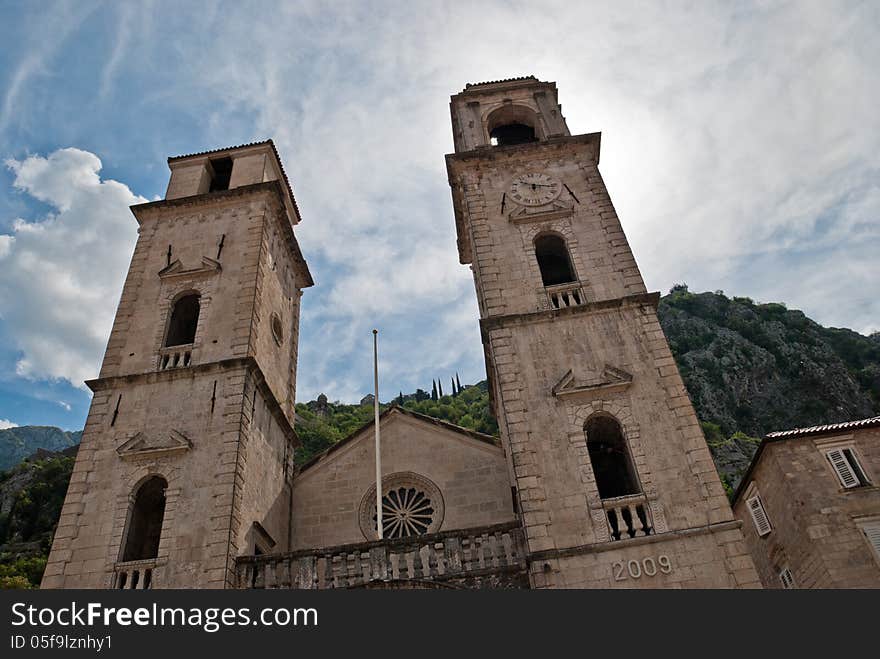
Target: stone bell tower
(614, 482)
(186, 457)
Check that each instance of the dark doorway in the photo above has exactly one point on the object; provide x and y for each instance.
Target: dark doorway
(222, 173)
(145, 525)
(184, 319)
(553, 260)
(512, 134)
(612, 466)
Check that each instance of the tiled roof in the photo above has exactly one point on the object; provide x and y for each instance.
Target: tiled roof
(872, 422)
(821, 430)
(268, 142)
(496, 82)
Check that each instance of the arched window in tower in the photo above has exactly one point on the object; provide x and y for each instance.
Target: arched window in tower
(145, 522)
(512, 134)
(553, 260)
(183, 322)
(609, 456)
(512, 124)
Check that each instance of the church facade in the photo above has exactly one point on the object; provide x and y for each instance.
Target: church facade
(601, 477)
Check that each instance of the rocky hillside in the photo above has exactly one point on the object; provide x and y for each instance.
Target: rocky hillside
(31, 495)
(755, 368)
(18, 443)
(749, 368)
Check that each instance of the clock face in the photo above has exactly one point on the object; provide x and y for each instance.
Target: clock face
(534, 189)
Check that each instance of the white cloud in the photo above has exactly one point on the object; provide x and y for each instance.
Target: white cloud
(6, 424)
(730, 133)
(63, 273)
(739, 146)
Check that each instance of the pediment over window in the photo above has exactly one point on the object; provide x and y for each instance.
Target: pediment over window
(176, 269)
(153, 444)
(588, 385)
(557, 209)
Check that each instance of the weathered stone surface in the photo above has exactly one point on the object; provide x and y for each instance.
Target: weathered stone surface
(223, 414)
(534, 335)
(816, 524)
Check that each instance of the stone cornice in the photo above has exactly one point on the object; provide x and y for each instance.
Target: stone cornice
(637, 300)
(274, 193)
(172, 374)
(523, 152)
(597, 547)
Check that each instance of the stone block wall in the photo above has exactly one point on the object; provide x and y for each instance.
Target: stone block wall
(470, 474)
(815, 521)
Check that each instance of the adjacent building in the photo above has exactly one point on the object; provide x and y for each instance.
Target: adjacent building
(810, 504)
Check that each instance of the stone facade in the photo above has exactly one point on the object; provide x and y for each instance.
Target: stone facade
(559, 355)
(212, 418)
(465, 471)
(207, 422)
(818, 529)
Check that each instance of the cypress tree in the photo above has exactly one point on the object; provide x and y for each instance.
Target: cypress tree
(433, 390)
(454, 390)
(458, 382)
(439, 388)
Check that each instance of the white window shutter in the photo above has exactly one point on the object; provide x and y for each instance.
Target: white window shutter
(872, 532)
(843, 468)
(787, 578)
(759, 516)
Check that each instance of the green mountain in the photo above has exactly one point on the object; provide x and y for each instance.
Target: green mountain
(749, 368)
(755, 368)
(31, 495)
(18, 443)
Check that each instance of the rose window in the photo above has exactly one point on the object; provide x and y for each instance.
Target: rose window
(412, 505)
(406, 511)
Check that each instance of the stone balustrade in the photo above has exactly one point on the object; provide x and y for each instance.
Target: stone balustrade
(563, 296)
(134, 575)
(628, 516)
(492, 556)
(175, 357)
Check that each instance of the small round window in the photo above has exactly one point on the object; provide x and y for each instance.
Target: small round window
(277, 329)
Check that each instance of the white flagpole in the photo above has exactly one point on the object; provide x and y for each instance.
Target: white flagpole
(376, 424)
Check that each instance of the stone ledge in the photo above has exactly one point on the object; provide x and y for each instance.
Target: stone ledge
(628, 301)
(599, 547)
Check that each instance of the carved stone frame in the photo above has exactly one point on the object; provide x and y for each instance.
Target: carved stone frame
(622, 413)
(561, 226)
(367, 506)
(124, 506)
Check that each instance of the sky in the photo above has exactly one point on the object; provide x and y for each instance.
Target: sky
(740, 146)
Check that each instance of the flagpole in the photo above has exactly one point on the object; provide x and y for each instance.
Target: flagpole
(376, 425)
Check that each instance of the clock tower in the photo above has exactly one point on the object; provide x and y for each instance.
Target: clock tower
(612, 478)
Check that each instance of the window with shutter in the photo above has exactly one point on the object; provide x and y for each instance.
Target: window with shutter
(786, 578)
(759, 516)
(842, 468)
(847, 467)
(872, 533)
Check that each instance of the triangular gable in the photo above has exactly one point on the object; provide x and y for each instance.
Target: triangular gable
(558, 208)
(153, 444)
(610, 380)
(387, 416)
(208, 267)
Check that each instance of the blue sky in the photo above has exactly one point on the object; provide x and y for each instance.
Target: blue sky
(740, 145)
